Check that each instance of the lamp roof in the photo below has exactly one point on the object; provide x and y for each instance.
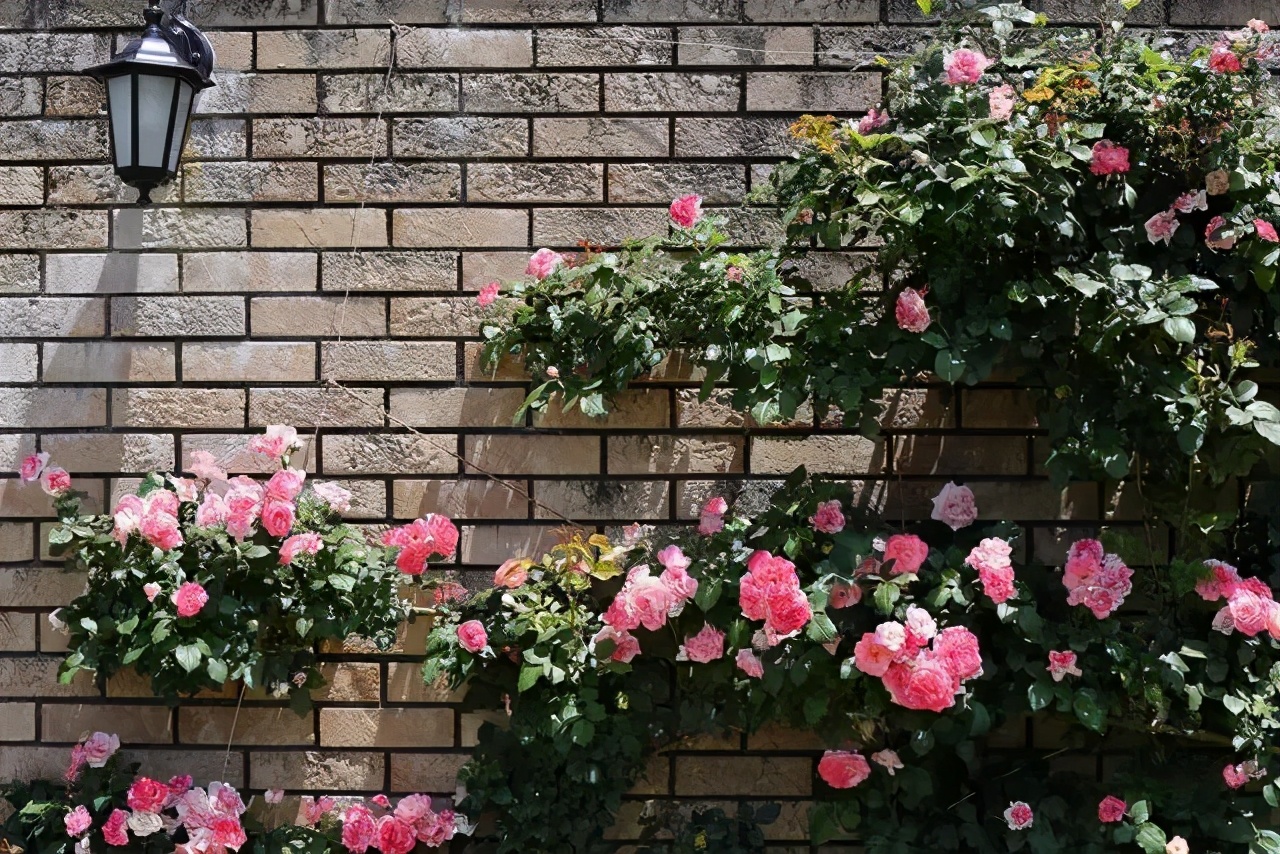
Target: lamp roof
(177, 49)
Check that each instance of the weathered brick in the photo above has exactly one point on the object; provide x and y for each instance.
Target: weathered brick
(987, 407)
(825, 454)
(32, 53)
(406, 727)
(42, 587)
(24, 185)
(19, 363)
(461, 136)
(461, 499)
(232, 453)
(382, 11)
(74, 96)
(217, 272)
(253, 726)
(319, 137)
(505, 454)
(250, 182)
(319, 228)
(20, 274)
(248, 362)
(1221, 12)
(308, 317)
(600, 137)
(535, 182)
(17, 634)
(388, 360)
(449, 227)
(175, 228)
(379, 454)
(98, 185)
(530, 93)
(324, 48)
(673, 11)
(435, 48)
(380, 93)
(818, 91)
(822, 11)
(111, 362)
(390, 271)
(435, 317)
(605, 46)
(217, 139)
(960, 455)
(490, 545)
(859, 46)
(665, 92)
(59, 139)
(44, 228)
(312, 407)
(760, 776)
(115, 452)
(481, 268)
(28, 503)
(732, 137)
(237, 92)
(49, 407)
(17, 675)
(315, 770)
(393, 182)
(20, 96)
(435, 772)
(111, 273)
(610, 226)
(185, 316)
(532, 11)
(234, 50)
(52, 317)
(746, 45)
(133, 724)
(18, 722)
(623, 500)
(456, 407)
(14, 447)
(634, 408)
(177, 407)
(665, 454)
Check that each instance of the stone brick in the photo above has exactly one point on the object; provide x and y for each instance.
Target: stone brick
(160, 317)
(530, 93)
(115, 452)
(435, 317)
(319, 228)
(248, 362)
(52, 317)
(201, 764)
(108, 362)
(24, 185)
(74, 96)
(481, 268)
(383, 453)
(666, 454)
(506, 454)
(58, 53)
(410, 361)
(49, 407)
(316, 407)
(634, 408)
(177, 407)
(234, 50)
(17, 502)
(20, 274)
(1221, 13)
(349, 682)
(917, 407)
(530, 11)
(324, 48)
(382, 11)
(661, 182)
(232, 453)
(250, 182)
(746, 45)
(17, 634)
(435, 772)
(821, 11)
(237, 92)
(960, 455)
(461, 499)
(20, 96)
(610, 226)
(535, 182)
(821, 454)
(436, 48)
(14, 447)
(41, 587)
(18, 722)
(223, 272)
(316, 770)
(859, 46)
(44, 228)
(319, 137)
(665, 92)
(253, 727)
(390, 271)
(461, 136)
(393, 182)
(623, 500)
(217, 139)
(759, 776)
(57, 139)
(987, 407)
(456, 407)
(19, 363)
(625, 46)
(406, 727)
(316, 317)
(672, 11)
(448, 227)
(600, 137)
(732, 137)
(98, 185)
(818, 91)
(133, 724)
(397, 93)
(490, 545)
(174, 228)
(111, 273)
(17, 675)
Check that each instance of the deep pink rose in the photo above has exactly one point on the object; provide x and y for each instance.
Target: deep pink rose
(418, 541)
(114, 832)
(32, 467)
(98, 748)
(873, 120)
(358, 829)
(704, 647)
(299, 544)
(277, 518)
(279, 440)
(1111, 809)
(749, 663)
(712, 517)
(228, 832)
(1192, 201)
(1266, 231)
(395, 836)
(908, 553)
(625, 644)
(488, 294)
(911, 312)
(1214, 236)
(1235, 776)
(543, 263)
(954, 506)
(147, 795)
(997, 583)
(1062, 664)
(829, 518)
(770, 591)
(1109, 158)
(77, 821)
(687, 210)
(1223, 60)
(965, 66)
(841, 769)
(55, 481)
(472, 636)
(957, 648)
(1249, 612)
(190, 598)
(1019, 816)
(924, 684)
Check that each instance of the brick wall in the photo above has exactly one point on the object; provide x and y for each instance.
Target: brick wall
(348, 187)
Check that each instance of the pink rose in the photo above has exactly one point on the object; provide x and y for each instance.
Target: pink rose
(704, 647)
(965, 66)
(733, 274)
(279, 441)
(114, 832)
(98, 748)
(1258, 25)
(338, 499)
(472, 636)
(908, 553)
(712, 518)
(543, 263)
(128, 517)
(687, 210)
(418, 541)
(829, 518)
(299, 544)
(1162, 227)
(1111, 809)
(1109, 158)
(1266, 231)
(179, 786)
(888, 759)
(77, 821)
(770, 591)
(891, 635)
(1249, 612)
(1062, 664)
(310, 810)
(358, 828)
(841, 769)
(997, 583)
(277, 518)
(843, 595)
(1019, 816)
(911, 312)
(673, 557)
(1001, 101)
(920, 625)
(1235, 776)
(76, 765)
(1177, 845)
(273, 796)
(625, 644)
(1192, 201)
(147, 795)
(512, 574)
(1223, 60)
(190, 598)
(749, 663)
(285, 485)
(55, 481)
(872, 657)
(228, 832)
(395, 836)
(954, 506)
(204, 466)
(161, 530)
(488, 294)
(871, 121)
(1218, 235)
(680, 584)
(33, 466)
(414, 808)
(957, 648)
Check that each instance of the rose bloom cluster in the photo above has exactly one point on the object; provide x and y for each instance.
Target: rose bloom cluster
(399, 831)
(770, 591)
(648, 600)
(1095, 579)
(1250, 608)
(921, 667)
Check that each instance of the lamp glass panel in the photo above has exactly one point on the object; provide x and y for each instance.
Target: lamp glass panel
(185, 96)
(120, 98)
(155, 107)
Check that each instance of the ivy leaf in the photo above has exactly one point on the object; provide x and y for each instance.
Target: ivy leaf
(188, 656)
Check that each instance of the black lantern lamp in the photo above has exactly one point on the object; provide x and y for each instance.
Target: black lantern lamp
(151, 89)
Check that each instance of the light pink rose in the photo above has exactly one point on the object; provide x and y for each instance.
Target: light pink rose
(299, 544)
(128, 516)
(285, 485)
(1001, 101)
(892, 635)
(920, 623)
(77, 821)
(488, 294)
(873, 120)
(204, 466)
(965, 66)
(472, 636)
(277, 518)
(1258, 25)
(338, 499)
(841, 769)
(911, 312)
(512, 574)
(954, 506)
(872, 657)
(749, 663)
(625, 644)
(278, 441)
(414, 808)
(711, 520)
(1111, 809)
(152, 590)
(829, 518)
(1223, 60)
(190, 598)
(310, 810)
(1062, 664)
(1197, 200)
(923, 684)
(1019, 816)
(273, 796)
(888, 759)
(419, 540)
(704, 647)
(161, 530)
(680, 584)
(358, 829)
(1265, 230)
(100, 747)
(32, 467)
(1249, 612)
(1215, 236)
(1177, 845)
(957, 648)
(55, 481)
(543, 263)
(1162, 226)
(908, 553)
(114, 832)
(1109, 158)
(687, 210)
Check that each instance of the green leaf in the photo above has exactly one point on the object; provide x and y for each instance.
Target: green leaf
(1151, 839)
(885, 596)
(127, 627)
(949, 365)
(926, 6)
(1039, 695)
(1180, 329)
(592, 405)
(1088, 711)
(1268, 430)
(1130, 5)
(820, 629)
(342, 582)
(529, 676)
(217, 670)
(1140, 812)
(708, 593)
(188, 656)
